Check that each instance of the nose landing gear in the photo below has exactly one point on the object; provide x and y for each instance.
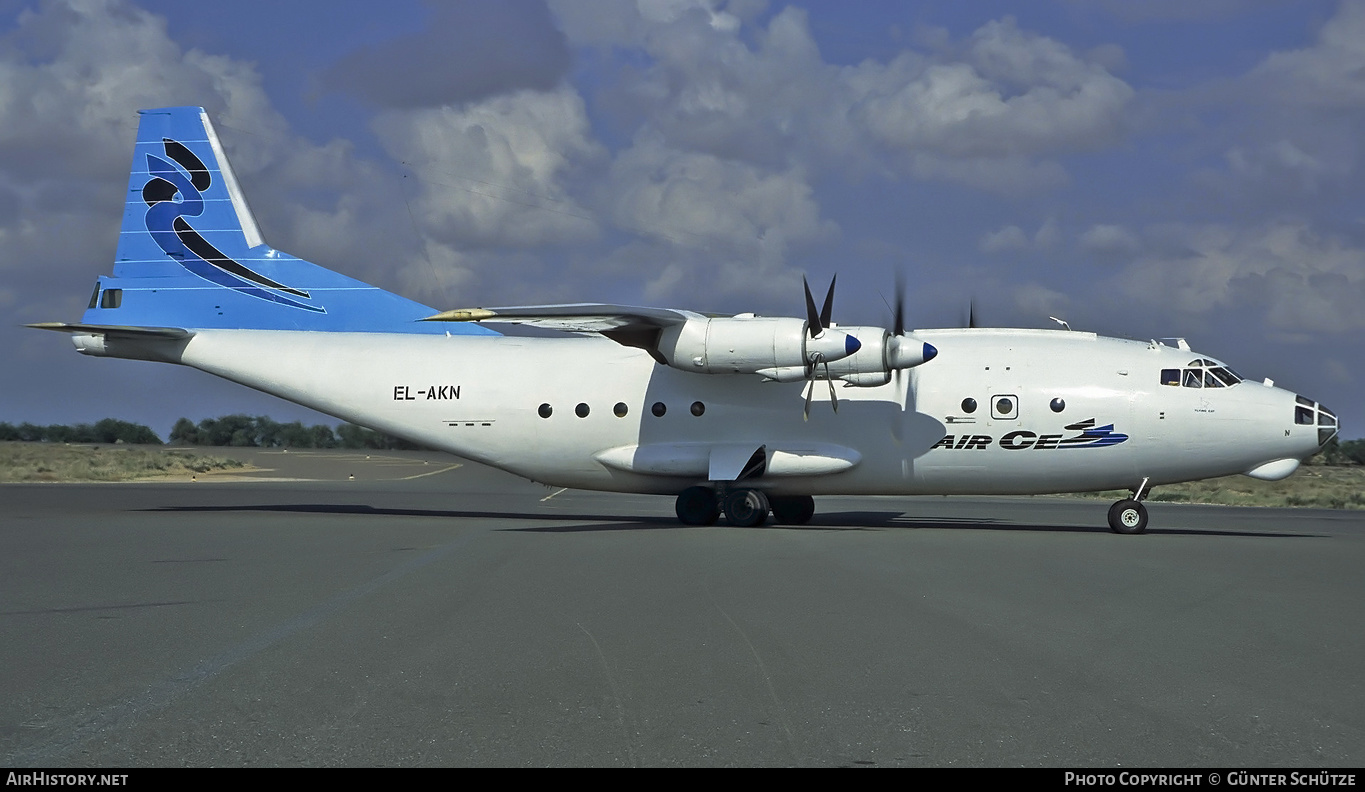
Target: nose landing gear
(1129, 516)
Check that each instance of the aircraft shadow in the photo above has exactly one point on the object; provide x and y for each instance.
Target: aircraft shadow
(895, 519)
(829, 521)
(600, 522)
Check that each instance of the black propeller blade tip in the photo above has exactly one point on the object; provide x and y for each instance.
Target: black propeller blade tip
(815, 328)
(827, 312)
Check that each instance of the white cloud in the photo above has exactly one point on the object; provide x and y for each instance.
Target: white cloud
(1014, 93)
(1109, 240)
(1301, 280)
(495, 173)
(736, 213)
(1011, 237)
(1329, 74)
(985, 113)
(1039, 302)
(1014, 238)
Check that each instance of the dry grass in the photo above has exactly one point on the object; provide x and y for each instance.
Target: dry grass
(1317, 487)
(29, 462)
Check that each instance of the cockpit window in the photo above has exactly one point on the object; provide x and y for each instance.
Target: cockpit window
(1227, 375)
(1303, 416)
(1201, 373)
(1326, 417)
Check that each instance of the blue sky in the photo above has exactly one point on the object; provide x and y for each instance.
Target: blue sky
(1153, 169)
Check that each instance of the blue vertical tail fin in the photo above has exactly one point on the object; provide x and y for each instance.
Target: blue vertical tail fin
(190, 254)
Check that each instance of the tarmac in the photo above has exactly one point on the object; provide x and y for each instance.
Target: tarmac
(413, 609)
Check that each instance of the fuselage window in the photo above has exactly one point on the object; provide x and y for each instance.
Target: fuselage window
(545, 411)
(1170, 377)
(698, 408)
(1193, 378)
(969, 405)
(659, 409)
(581, 410)
(620, 409)
(1057, 405)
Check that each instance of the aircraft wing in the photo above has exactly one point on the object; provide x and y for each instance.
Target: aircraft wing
(625, 324)
(574, 318)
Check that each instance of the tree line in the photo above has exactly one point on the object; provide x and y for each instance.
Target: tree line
(109, 430)
(262, 432)
(229, 430)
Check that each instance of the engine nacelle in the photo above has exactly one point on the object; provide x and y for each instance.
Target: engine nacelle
(880, 354)
(751, 344)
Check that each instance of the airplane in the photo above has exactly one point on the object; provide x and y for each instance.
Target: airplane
(713, 410)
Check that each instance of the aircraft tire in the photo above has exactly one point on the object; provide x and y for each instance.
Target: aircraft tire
(792, 509)
(746, 508)
(1128, 517)
(697, 506)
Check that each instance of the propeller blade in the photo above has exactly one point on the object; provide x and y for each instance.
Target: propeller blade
(816, 359)
(814, 325)
(971, 313)
(827, 312)
(833, 400)
(898, 325)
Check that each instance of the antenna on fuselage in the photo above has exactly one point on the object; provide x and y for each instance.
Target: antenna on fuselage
(1060, 322)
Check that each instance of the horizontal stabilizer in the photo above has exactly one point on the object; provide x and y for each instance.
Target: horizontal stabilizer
(174, 333)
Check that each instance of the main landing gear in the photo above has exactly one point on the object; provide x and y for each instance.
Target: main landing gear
(743, 507)
(1129, 516)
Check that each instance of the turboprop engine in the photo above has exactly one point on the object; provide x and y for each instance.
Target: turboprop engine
(880, 354)
(748, 344)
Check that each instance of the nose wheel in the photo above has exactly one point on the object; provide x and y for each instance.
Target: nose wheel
(1128, 517)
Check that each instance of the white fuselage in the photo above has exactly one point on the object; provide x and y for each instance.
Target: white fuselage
(481, 397)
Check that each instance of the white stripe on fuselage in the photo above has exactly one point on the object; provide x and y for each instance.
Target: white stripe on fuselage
(478, 397)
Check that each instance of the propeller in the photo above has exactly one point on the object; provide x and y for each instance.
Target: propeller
(903, 351)
(817, 323)
(819, 360)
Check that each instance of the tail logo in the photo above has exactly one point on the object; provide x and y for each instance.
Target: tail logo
(174, 235)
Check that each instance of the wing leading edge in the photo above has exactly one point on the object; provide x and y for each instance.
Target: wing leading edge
(627, 325)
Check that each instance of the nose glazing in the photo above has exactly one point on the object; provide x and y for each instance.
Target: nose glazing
(1327, 425)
